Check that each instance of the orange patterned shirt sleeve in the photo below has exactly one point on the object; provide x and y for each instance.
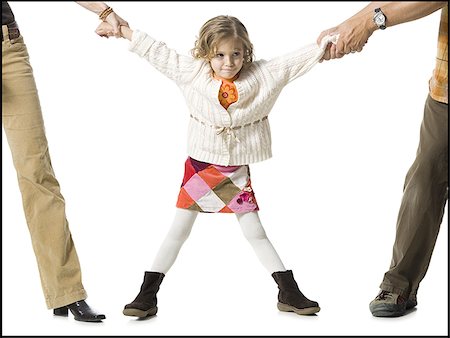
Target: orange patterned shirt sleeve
(439, 81)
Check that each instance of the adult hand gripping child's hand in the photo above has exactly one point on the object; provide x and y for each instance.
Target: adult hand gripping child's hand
(105, 30)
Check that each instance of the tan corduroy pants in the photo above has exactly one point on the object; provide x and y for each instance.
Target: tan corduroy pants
(43, 204)
(423, 204)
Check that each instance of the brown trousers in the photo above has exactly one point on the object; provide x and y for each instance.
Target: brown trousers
(43, 204)
(423, 204)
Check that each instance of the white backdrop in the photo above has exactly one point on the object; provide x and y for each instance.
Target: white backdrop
(348, 130)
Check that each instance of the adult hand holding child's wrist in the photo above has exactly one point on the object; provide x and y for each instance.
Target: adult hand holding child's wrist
(104, 30)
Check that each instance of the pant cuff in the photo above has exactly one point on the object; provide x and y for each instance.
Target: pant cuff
(66, 299)
(390, 288)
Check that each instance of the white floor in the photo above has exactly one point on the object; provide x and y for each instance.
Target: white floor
(242, 319)
(213, 290)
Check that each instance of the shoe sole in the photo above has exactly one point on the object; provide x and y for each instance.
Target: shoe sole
(89, 320)
(306, 311)
(411, 304)
(383, 310)
(382, 313)
(140, 313)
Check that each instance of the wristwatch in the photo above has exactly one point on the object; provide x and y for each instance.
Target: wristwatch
(379, 18)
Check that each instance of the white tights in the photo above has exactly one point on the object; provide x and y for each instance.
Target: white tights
(181, 228)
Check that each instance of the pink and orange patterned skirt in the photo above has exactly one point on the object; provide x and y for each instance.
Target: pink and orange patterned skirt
(211, 188)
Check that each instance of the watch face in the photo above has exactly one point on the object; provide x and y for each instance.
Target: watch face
(379, 19)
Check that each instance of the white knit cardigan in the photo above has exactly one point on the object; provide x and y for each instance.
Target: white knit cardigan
(241, 134)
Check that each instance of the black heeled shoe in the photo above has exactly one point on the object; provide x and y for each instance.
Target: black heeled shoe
(81, 312)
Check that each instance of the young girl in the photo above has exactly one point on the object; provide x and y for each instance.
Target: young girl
(229, 99)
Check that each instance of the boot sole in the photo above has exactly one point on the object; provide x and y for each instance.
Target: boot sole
(411, 304)
(387, 310)
(306, 311)
(140, 313)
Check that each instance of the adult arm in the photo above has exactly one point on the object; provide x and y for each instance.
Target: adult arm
(356, 30)
(113, 19)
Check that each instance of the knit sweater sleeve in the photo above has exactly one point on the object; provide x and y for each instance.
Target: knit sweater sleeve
(179, 68)
(287, 68)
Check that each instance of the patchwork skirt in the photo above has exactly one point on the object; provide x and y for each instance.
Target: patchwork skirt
(211, 188)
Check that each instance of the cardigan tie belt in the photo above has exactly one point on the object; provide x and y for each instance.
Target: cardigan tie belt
(228, 130)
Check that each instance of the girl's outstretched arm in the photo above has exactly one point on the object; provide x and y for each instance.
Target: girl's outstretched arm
(286, 68)
(179, 68)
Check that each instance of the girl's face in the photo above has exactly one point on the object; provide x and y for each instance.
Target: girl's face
(228, 59)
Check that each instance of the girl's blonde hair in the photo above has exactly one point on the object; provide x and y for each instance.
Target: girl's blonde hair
(218, 29)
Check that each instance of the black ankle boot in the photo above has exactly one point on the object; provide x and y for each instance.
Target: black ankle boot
(145, 303)
(290, 298)
(81, 311)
